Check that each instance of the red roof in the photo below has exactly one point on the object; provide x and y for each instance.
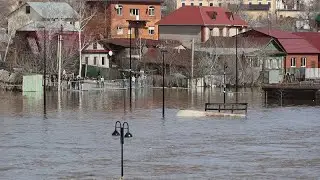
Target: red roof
(312, 37)
(291, 42)
(202, 16)
(298, 46)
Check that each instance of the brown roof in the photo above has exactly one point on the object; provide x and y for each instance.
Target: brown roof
(125, 42)
(202, 16)
(230, 42)
(174, 57)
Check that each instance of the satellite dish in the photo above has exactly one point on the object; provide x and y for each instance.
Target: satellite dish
(110, 53)
(116, 6)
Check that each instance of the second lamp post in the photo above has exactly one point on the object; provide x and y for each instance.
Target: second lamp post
(121, 127)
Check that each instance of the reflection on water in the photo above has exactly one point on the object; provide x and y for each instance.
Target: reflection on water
(74, 141)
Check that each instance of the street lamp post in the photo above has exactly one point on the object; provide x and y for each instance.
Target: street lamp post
(224, 85)
(163, 51)
(121, 127)
(236, 65)
(44, 70)
(130, 74)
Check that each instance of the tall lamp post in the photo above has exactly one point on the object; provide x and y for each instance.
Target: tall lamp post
(236, 65)
(44, 69)
(224, 81)
(121, 127)
(130, 74)
(136, 24)
(163, 51)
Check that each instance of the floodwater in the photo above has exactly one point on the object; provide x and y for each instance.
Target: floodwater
(73, 140)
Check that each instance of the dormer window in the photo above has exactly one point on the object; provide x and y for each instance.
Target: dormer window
(213, 15)
(95, 45)
(27, 9)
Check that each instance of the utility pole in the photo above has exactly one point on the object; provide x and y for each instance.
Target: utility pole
(59, 63)
(224, 83)
(44, 70)
(192, 61)
(236, 65)
(130, 74)
(80, 53)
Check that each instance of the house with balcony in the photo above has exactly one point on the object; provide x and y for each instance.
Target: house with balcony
(119, 19)
(200, 23)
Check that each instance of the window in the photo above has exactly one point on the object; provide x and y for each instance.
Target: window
(119, 10)
(95, 61)
(129, 31)
(293, 62)
(211, 4)
(119, 30)
(303, 62)
(151, 30)
(269, 3)
(102, 61)
(220, 32)
(134, 12)
(27, 9)
(87, 60)
(183, 4)
(200, 4)
(220, 4)
(95, 45)
(151, 10)
(191, 4)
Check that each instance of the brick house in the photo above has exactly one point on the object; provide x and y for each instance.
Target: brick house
(199, 23)
(112, 18)
(301, 54)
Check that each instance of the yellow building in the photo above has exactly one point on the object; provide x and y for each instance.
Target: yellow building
(271, 3)
(220, 3)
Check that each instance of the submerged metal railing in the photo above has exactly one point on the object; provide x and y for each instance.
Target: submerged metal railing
(227, 107)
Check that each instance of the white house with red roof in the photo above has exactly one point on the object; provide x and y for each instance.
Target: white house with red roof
(199, 23)
(95, 54)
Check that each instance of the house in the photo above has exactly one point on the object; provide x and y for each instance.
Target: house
(41, 12)
(95, 54)
(113, 19)
(199, 23)
(95, 59)
(35, 23)
(300, 53)
(255, 56)
(314, 39)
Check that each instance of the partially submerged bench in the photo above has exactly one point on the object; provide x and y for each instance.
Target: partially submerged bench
(226, 107)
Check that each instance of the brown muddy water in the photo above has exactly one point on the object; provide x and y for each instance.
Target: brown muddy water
(73, 140)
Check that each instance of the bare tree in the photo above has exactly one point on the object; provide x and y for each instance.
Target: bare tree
(170, 6)
(85, 15)
(310, 11)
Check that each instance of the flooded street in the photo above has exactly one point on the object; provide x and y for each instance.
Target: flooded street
(73, 140)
